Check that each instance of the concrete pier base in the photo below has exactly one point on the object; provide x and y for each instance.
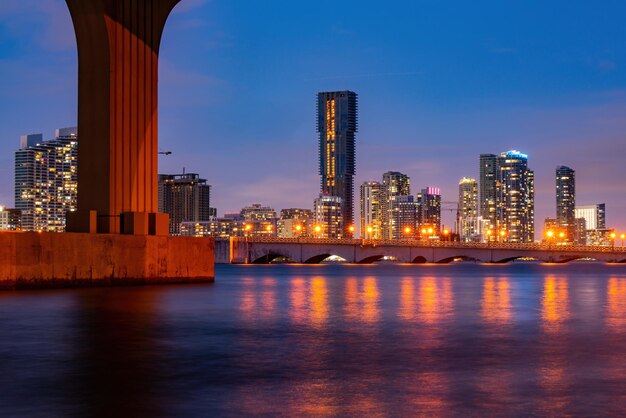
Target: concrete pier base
(50, 260)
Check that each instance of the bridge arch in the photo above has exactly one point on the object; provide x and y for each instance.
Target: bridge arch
(268, 258)
(371, 259)
(419, 260)
(511, 259)
(449, 260)
(317, 259)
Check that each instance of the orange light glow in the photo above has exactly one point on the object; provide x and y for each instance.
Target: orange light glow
(248, 227)
(407, 230)
(298, 228)
(430, 231)
(370, 229)
(351, 228)
(613, 235)
(446, 232)
(502, 233)
(550, 234)
(268, 228)
(318, 228)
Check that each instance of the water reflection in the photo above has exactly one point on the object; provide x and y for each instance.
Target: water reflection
(408, 306)
(616, 304)
(362, 305)
(496, 301)
(555, 303)
(436, 299)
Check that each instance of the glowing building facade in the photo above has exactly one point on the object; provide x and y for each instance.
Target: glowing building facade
(371, 210)
(566, 201)
(328, 217)
(46, 180)
(468, 219)
(394, 184)
(515, 198)
(337, 126)
(430, 209)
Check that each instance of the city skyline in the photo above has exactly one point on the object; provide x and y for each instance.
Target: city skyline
(423, 130)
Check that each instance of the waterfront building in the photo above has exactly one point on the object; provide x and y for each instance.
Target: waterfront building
(594, 215)
(185, 198)
(295, 223)
(328, 217)
(488, 178)
(515, 198)
(595, 223)
(337, 126)
(10, 219)
(258, 212)
(46, 180)
(404, 215)
(566, 201)
(394, 184)
(429, 217)
(580, 231)
(224, 228)
(371, 210)
(468, 219)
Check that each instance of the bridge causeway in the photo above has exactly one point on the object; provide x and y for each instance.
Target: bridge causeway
(257, 250)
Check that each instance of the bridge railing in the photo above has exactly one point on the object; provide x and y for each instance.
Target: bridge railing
(432, 244)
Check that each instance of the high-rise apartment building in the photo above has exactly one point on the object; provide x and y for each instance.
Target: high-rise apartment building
(404, 215)
(515, 197)
(337, 126)
(430, 209)
(488, 179)
(371, 210)
(185, 197)
(394, 184)
(46, 180)
(468, 219)
(566, 201)
(328, 217)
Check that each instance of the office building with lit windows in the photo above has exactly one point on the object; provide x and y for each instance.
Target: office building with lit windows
(295, 223)
(515, 198)
(394, 184)
(429, 216)
(185, 198)
(371, 210)
(488, 177)
(468, 221)
(46, 180)
(404, 215)
(328, 217)
(337, 126)
(566, 201)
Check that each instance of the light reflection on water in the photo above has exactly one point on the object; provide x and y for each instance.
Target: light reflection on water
(325, 340)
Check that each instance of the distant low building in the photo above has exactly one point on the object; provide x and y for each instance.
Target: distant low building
(295, 223)
(328, 217)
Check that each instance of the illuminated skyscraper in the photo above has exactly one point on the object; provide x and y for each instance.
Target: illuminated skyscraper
(515, 197)
(489, 172)
(371, 211)
(337, 126)
(46, 180)
(394, 184)
(185, 197)
(469, 221)
(430, 209)
(566, 201)
(328, 217)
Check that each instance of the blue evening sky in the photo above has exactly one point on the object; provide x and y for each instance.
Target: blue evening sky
(439, 82)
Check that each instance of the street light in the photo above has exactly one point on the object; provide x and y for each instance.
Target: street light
(622, 237)
(351, 229)
(317, 230)
(613, 235)
(502, 235)
(369, 231)
(446, 233)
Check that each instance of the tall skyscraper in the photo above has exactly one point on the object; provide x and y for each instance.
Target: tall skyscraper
(394, 184)
(328, 217)
(371, 210)
(469, 221)
(430, 209)
(566, 201)
(488, 171)
(515, 197)
(46, 180)
(337, 126)
(185, 197)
